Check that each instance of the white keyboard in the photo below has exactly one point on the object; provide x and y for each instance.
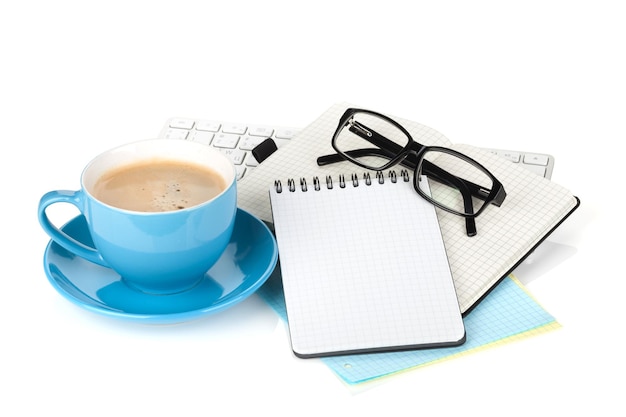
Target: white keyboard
(238, 139)
(539, 163)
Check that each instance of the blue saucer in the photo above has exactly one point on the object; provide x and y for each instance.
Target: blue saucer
(246, 264)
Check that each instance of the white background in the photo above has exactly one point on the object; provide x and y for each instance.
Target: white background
(79, 77)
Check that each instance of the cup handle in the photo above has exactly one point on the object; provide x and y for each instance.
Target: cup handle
(58, 236)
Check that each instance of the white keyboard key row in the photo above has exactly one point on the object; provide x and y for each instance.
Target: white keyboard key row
(237, 140)
(539, 163)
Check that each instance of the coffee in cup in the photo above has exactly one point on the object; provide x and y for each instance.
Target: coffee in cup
(158, 185)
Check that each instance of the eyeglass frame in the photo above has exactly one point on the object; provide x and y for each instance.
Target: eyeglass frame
(411, 156)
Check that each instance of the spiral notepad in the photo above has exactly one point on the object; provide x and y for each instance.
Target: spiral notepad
(364, 266)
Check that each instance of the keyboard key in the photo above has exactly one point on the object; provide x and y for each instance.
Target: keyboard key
(251, 161)
(248, 142)
(176, 134)
(208, 126)
(281, 142)
(225, 140)
(265, 132)
(535, 159)
(236, 129)
(203, 136)
(235, 155)
(511, 156)
(181, 123)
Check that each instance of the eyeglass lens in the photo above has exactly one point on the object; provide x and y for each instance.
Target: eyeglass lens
(365, 131)
(452, 196)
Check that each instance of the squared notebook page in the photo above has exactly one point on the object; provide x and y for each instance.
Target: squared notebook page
(364, 269)
(533, 207)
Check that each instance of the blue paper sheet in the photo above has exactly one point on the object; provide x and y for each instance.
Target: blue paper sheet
(507, 311)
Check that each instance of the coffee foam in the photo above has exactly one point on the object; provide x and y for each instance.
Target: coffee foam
(155, 186)
(171, 198)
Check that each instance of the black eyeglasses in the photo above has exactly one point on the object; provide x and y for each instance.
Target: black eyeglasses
(464, 187)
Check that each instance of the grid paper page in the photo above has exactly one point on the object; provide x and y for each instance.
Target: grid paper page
(506, 234)
(533, 207)
(364, 269)
(508, 313)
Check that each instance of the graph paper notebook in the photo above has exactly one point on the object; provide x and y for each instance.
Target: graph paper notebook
(533, 208)
(364, 267)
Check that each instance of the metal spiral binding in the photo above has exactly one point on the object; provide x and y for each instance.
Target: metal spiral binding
(354, 179)
(329, 182)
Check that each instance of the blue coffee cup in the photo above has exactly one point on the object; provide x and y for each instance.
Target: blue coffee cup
(157, 252)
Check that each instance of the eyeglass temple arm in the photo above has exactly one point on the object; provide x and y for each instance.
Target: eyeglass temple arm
(356, 153)
(431, 170)
(468, 206)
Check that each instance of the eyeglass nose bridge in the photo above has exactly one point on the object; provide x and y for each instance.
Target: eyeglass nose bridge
(411, 157)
